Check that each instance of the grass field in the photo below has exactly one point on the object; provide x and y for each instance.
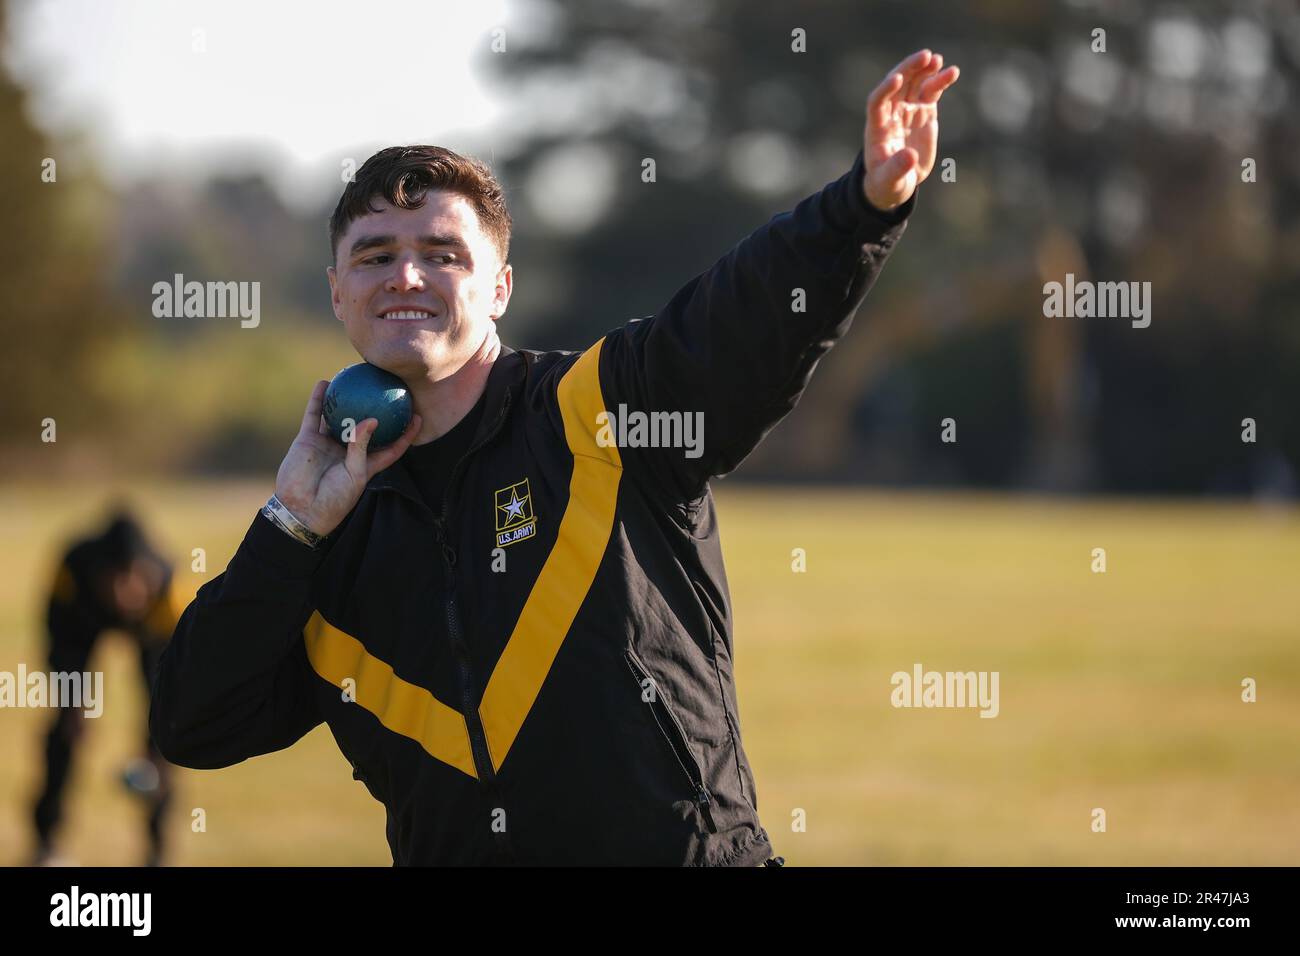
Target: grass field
(1119, 690)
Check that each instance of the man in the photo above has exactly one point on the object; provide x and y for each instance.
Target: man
(517, 629)
(113, 580)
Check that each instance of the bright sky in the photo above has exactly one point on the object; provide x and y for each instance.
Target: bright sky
(208, 83)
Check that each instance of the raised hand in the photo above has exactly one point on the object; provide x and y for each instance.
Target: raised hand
(902, 129)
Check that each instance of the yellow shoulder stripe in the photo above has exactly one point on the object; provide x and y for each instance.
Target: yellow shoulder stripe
(570, 568)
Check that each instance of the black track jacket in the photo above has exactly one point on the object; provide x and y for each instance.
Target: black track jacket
(542, 674)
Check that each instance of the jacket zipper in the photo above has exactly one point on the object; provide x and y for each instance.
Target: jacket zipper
(477, 737)
(676, 739)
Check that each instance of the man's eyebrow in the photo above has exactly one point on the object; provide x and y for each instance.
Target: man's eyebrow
(433, 239)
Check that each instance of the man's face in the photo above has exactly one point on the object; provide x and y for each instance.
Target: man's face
(418, 289)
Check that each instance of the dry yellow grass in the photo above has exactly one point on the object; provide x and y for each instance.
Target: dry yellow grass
(1118, 690)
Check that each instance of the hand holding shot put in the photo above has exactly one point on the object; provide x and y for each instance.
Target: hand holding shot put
(321, 479)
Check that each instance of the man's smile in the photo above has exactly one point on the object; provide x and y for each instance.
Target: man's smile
(395, 314)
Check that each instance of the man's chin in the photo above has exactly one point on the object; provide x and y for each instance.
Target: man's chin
(410, 364)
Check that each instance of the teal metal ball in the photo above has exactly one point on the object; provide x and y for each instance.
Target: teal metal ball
(366, 391)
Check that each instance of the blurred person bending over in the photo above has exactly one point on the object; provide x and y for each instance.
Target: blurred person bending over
(114, 580)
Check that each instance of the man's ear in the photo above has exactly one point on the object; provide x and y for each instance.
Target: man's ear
(334, 292)
(501, 294)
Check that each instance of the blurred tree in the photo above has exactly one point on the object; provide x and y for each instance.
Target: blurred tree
(1115, 164)
(1117, 160)
(57, 309)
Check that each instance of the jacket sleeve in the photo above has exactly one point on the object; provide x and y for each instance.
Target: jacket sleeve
(734, 348)
(234, 681)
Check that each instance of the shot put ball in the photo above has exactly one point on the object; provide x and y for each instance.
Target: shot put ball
(364, 391)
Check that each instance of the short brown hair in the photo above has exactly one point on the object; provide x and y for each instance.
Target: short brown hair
(403, 174)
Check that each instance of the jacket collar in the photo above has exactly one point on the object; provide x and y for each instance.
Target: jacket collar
(504, 383)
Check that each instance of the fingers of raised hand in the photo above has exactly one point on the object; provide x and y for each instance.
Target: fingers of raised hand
(912, 61)
(915, 77)
(933, 86)
(917, 81)
(880, 102)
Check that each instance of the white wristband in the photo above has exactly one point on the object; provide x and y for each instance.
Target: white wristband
(283, 518)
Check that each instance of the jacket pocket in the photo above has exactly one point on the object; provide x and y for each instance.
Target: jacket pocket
(671, 731)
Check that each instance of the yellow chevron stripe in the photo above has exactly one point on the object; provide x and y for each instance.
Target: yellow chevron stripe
(402, 707)
(570, 568)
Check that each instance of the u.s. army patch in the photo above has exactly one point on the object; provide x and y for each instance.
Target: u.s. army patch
(515, 519)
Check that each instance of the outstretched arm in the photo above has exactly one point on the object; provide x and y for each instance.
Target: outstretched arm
(733, 350)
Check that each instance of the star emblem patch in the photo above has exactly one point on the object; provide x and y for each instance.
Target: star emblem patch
(514, 510)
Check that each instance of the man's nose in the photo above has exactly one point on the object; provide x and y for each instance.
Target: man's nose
(406, 276)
